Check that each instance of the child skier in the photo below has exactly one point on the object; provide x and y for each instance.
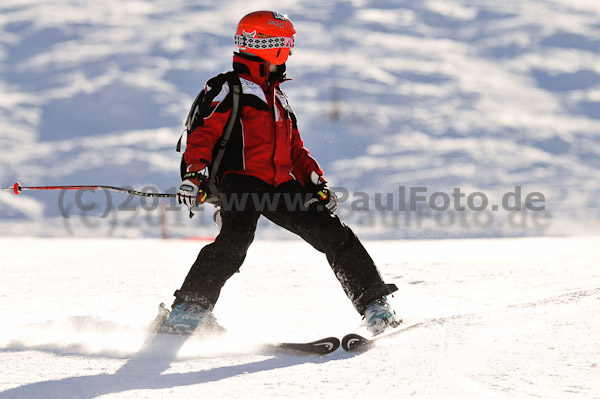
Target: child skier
(265, 158)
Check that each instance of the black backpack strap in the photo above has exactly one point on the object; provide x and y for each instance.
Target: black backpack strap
(233, 117)
(178, 146)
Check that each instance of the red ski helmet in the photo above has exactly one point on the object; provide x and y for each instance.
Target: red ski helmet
(266, 34)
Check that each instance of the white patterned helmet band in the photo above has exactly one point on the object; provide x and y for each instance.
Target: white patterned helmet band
(264, 43)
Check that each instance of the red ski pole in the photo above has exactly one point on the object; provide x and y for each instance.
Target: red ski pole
(17, 188)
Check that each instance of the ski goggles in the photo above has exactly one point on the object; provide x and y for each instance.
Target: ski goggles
(264, 43)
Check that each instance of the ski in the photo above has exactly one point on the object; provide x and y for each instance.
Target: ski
(355, 342)
(323, 346)
(168, 344)
(160, 336)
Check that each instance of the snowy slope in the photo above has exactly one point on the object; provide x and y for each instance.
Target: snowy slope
(479, 95)
(506, 318)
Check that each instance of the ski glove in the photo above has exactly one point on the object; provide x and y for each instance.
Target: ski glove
(321, 193)
(193, 190)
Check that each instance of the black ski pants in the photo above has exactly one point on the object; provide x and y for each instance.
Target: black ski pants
(244, 199)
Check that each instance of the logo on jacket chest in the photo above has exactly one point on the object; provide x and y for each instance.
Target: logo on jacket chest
(254, 89)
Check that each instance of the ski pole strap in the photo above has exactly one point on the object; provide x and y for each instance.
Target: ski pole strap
(236, 87)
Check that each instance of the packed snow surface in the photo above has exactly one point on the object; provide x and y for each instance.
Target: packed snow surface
(504, 318)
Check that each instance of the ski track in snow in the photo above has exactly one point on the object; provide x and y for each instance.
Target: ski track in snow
(505, 318)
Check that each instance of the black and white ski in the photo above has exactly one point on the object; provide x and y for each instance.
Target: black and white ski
(173, 339)
(356, 342)
(168, 344)
(323, 346)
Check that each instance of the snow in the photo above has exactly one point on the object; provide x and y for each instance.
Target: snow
(504, 318)
(482, 96)
(462, 93)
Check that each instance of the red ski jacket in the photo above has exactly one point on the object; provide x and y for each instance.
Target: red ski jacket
(265, 143)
